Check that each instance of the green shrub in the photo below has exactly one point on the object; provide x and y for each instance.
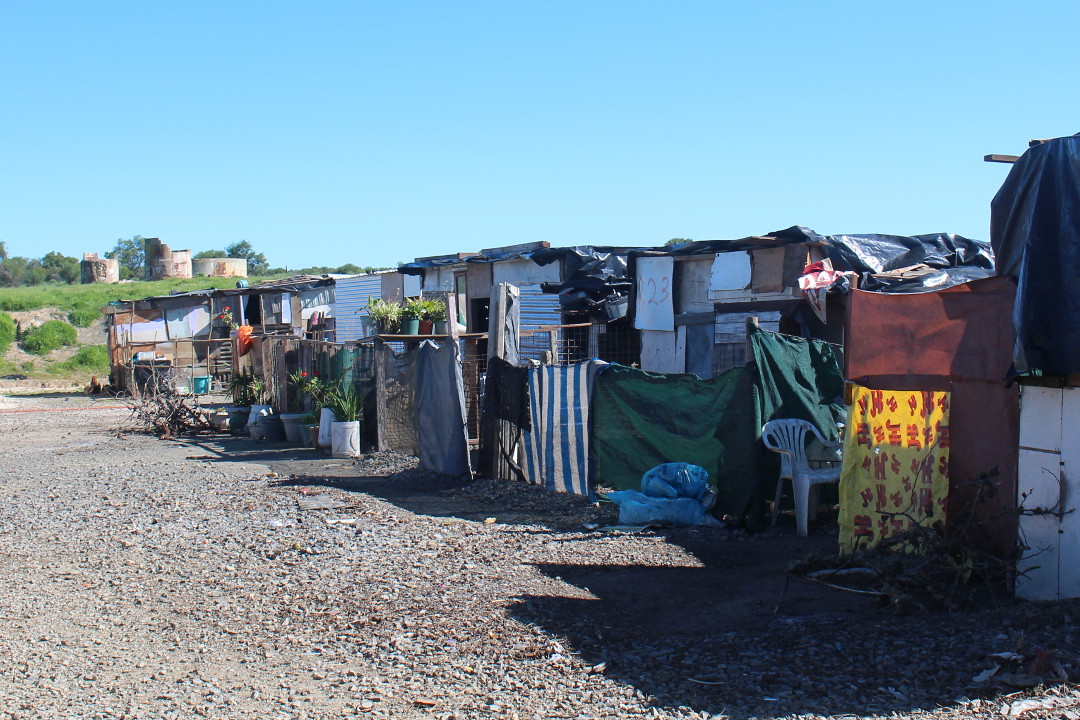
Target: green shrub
(92, 359)
(48, 336)
(19, 303)
(7, 331)
(83, 317)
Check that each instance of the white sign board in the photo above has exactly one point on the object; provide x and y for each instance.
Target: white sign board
(654, 308)
(730, 271)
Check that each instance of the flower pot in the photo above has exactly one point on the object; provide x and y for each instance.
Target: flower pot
(410, 326)
(291, 421)
(326, 417)
(219, 420)
(309, 434)
(257, 411)
(238, 415)
(346, 439)
(426, 327)
(273, 429)
(440, 327)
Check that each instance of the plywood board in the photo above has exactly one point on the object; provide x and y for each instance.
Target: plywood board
(478, 280)
(692, 277)
(767, 270)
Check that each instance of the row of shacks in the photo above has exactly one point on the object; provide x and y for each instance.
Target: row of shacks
(949, 377)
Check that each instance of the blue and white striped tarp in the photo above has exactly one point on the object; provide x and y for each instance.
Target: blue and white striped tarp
(557, 446)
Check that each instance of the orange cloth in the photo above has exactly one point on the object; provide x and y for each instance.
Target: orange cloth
(243, 340)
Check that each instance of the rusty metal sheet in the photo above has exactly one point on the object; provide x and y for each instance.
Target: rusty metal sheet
(964, 332)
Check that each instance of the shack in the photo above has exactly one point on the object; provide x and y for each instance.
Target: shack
(1035, 230)
(187, 336)
(692, 302)
(572, 300)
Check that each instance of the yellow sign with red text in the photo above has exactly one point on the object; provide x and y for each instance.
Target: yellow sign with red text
(896, 464)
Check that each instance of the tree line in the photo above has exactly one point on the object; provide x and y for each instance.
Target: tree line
(58, 268)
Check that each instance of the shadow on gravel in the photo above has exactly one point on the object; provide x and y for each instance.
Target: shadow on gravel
(734, 636)
(726, 632)
(397, 479)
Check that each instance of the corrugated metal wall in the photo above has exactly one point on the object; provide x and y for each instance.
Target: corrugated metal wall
(537, 310)
(350, 304)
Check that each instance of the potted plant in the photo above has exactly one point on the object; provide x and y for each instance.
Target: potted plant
(385, 315)
(345, 433)
(436, 312)
(246, 389)
(298, 382)
(411, 314)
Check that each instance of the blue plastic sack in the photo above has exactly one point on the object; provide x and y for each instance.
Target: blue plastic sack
(676, 480)
(672, 494)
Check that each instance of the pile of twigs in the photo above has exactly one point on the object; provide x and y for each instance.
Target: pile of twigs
(164, 413)
(926, 566)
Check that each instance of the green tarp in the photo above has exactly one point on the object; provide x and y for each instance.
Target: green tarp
(641, 419)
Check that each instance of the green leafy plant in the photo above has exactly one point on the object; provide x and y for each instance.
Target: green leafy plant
(299, 382)
(434, 309)
(247, 389)
(385, 314)
(49, 336)
(345, 403)
(414, 309)
(84, 317)
(7, 331)
(89, 358)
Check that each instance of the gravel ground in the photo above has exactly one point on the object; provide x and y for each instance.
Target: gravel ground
(148, 579)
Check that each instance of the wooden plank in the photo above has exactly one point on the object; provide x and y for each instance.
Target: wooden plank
(1001, 158)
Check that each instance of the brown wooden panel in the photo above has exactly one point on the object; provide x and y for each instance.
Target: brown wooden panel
(478, 281)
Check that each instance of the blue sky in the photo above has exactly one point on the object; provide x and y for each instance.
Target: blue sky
(373, 133)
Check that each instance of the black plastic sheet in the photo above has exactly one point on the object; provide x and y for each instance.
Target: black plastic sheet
(1035, 231)
(950, 259)
(591, 276)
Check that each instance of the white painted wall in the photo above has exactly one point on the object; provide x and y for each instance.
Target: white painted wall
(522, 271)
(1049, 479)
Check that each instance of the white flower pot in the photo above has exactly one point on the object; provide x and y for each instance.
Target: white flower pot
(326, 417)
(346, 439)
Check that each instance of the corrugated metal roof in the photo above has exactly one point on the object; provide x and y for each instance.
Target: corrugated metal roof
(350, 304)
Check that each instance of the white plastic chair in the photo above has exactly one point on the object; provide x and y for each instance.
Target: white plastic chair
(788, 438)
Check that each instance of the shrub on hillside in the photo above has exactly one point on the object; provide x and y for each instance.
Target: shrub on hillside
(7, 331)
(18, 303)
(83, 317)
(48, 336)
(93, 359)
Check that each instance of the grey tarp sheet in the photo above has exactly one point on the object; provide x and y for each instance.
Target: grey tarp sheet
(440, 410)
(395, 401)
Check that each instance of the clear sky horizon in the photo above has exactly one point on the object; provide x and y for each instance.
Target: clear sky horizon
(373, 133)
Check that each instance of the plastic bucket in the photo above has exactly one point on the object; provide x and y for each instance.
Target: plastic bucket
(200, 384)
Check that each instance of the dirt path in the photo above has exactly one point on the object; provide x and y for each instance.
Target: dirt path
(147, 579)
